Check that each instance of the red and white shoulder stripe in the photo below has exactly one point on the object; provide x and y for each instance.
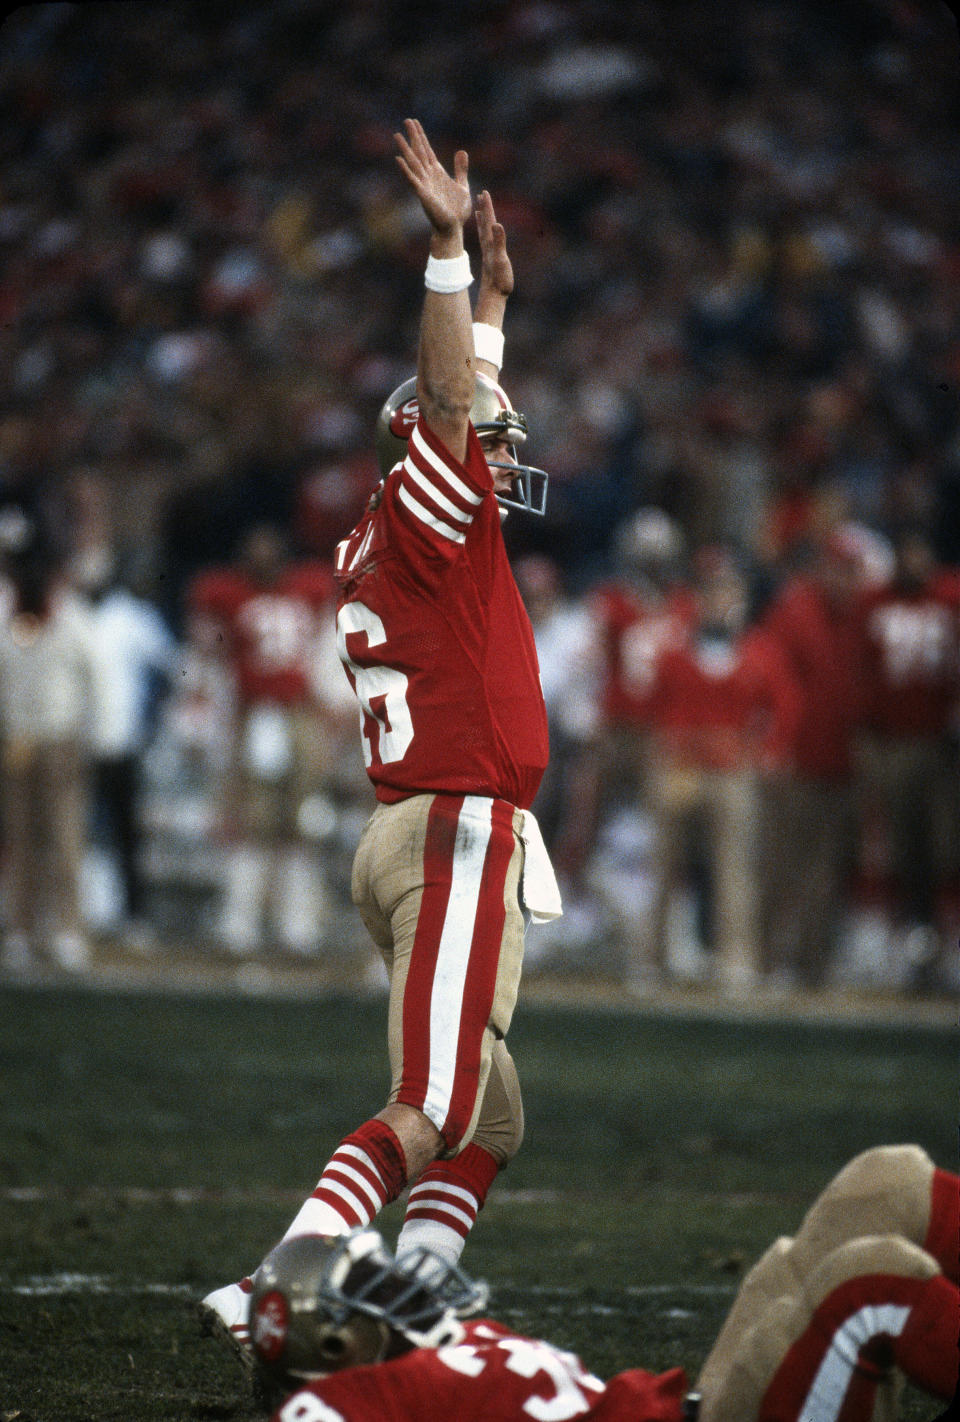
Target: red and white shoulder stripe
(433, 491)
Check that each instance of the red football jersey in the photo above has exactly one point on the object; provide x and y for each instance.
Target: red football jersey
(725, 707)
(269, 631)
(435, 638)
(633, 633)
(912, 657)
(492, 1376)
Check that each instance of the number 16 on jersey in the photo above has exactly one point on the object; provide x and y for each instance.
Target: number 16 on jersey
(385, 726)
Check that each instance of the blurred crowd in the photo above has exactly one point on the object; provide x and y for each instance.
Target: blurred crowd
(735, 335)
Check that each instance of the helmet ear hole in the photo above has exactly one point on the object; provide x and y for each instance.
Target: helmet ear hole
(332, 1346)
(350, 1344)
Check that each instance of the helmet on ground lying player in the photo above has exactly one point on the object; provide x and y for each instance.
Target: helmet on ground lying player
(490, 414)
(320, 1304)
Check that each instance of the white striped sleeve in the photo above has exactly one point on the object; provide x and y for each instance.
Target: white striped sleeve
(421, 512)
(446, 475)
(432, 490)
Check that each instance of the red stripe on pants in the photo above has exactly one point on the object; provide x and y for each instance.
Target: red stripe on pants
(482, 951)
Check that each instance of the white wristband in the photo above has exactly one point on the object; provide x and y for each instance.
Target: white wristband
(488, 343)
(446, 274)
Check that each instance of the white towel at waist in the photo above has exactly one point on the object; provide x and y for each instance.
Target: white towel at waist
(538, 889)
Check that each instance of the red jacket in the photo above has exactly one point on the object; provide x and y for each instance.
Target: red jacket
(725, 707)
(822, 644)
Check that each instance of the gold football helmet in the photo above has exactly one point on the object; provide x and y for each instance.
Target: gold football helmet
(320, 1304)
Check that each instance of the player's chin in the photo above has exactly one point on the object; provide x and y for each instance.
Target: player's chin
(504, 514)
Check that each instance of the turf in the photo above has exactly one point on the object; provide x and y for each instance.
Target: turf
(153, 1146)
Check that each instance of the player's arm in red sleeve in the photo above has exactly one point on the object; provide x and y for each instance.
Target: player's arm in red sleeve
(639, 1396)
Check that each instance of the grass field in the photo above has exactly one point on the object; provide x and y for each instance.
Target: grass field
(153, 1146)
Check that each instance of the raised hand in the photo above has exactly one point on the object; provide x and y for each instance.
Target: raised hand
(445, 198)
(496, 272)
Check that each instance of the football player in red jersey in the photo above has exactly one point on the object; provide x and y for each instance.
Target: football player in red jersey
(640, 613)
(823, 1329)
(439, 649)
(911, 661)
(260, 616)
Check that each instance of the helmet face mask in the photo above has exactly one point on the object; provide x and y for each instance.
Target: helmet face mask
(323, 1304)
(491, 416)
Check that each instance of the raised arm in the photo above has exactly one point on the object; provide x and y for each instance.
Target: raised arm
(445, 365)
(496, 284)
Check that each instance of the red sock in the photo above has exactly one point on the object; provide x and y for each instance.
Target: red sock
(444, 1203)
(366, 1171)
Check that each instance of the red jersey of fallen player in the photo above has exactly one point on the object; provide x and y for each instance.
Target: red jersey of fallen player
(725, 706)
(435, 638)
(633, 632)
(492, 1376)
(912, 657)
(269, 630)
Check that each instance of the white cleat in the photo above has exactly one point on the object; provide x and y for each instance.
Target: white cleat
(225, 1313)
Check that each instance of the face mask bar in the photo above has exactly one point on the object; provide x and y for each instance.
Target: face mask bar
(529, 488)
(529, 484)
(418, 1296)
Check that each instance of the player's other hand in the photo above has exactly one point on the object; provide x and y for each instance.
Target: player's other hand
(496, 271)
(445, 197)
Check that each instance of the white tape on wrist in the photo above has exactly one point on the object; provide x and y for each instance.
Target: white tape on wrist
(488, 343)
(447, 274)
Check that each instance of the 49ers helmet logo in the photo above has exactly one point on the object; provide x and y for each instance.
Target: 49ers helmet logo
(271, 1317)
(404, 419)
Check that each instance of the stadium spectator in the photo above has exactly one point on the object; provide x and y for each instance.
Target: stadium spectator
(260, 616)
(809, 823)
(826, 1324)
(135, 653)
(440, 652)
(911, 670)
(724, 709)
(48, 673)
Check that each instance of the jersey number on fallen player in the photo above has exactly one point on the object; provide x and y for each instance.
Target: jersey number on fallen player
(385, 725)
(528, 1358)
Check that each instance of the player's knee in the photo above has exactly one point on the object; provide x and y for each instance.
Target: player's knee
(419, 1138)
(884, 1190)
(501, 1137)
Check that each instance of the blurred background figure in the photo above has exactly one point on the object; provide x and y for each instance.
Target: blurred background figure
(911, 678)
(810, 826)
(48, 674)
(645, 607)
(724, 711)
(260, 617)
(566, 803)
(136, 656)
